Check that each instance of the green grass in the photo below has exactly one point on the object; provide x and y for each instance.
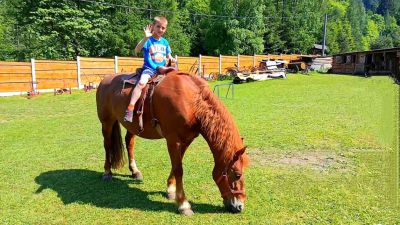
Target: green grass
(323, 149)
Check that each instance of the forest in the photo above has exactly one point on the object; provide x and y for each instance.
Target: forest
(65, 29)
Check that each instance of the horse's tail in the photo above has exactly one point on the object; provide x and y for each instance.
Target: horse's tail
(117, 158)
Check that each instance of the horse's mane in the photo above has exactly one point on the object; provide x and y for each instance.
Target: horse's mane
(216, 123)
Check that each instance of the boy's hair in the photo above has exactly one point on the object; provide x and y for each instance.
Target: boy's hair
(160, 19)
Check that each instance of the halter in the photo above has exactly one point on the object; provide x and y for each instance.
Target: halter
(224, 177)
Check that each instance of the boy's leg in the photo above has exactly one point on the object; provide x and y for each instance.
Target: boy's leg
(137, 91)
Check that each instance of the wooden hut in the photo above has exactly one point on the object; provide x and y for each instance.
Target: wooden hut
(374, 62)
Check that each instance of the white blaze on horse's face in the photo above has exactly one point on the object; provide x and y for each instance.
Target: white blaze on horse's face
(232, 186)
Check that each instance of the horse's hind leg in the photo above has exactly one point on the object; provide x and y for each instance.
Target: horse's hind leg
(113, 146)
(130, 142)
(107, 132)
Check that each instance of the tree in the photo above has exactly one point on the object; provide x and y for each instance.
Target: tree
(274, 42)
(241, 33)
(63, 29)
(345, 38)
(371, 5)
(10, 31)
(358, 20)
(195, 26)
(302, 25)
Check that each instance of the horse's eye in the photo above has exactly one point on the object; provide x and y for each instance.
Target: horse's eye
(237, 176)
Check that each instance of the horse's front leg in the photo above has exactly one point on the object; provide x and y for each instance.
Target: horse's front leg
(130, 142)
(171, 182)
(171, 186)
(176, 150)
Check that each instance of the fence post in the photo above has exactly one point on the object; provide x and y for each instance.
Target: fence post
(116, 64)
(238, 61)
(33, 70)
(176, 62)
(78, 71)
(199, 69)
(220, 64)
(254, 60)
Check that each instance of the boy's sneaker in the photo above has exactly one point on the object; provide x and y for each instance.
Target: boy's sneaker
(128, 115)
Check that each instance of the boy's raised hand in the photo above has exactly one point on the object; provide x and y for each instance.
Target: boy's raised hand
(148, 31)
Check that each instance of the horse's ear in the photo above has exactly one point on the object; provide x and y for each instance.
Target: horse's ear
(241, 151)
(246, 160)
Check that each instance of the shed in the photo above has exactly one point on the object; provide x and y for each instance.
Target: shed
(373, 62)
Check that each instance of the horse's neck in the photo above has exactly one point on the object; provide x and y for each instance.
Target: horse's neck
(218, 129)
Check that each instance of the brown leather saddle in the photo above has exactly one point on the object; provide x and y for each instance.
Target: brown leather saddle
(147, 92)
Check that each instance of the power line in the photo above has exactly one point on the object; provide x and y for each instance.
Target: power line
(192, 14)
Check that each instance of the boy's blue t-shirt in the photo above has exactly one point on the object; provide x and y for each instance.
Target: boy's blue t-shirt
(155, 53)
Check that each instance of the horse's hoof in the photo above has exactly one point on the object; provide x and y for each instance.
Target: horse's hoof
(171, 195)
(137, 177)
(107, 177)
(186, 212)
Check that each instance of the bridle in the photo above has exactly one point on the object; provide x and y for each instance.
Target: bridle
(224, 176)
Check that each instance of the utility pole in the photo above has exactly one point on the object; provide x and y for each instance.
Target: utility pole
(324, 42)
(237, 8)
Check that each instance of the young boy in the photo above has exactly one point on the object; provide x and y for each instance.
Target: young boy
(156, 52)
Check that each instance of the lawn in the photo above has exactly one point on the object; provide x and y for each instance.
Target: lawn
(323, 149)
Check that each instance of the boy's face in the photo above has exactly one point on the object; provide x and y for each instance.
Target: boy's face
(159, 28)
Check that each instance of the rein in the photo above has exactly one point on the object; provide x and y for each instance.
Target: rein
(224, 178)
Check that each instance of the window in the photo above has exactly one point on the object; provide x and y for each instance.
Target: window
(338, 59)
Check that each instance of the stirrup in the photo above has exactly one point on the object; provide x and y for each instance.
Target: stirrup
(140, 130)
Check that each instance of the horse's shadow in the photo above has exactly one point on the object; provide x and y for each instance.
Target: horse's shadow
(87, 187)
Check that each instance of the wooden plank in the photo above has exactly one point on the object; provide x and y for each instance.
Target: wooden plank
(3, 63)
(41, 61)
(130, 63)
(96, 71)
(89, 65)
(55, 66)
(49, 84)
(14, 69)
(224, 65)
(57, 73)
(216, 61)
(130, 60)
(95, 79)
(124, 69)
(210, 58)
(187, 58)
(16, 87)
(86, 59)
(15, 79)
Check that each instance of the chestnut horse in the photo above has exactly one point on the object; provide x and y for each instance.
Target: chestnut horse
(184, 107)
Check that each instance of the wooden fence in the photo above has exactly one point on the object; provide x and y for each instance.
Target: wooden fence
(47, 75)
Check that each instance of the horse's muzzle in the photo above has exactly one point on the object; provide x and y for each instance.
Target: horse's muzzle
(234, 205)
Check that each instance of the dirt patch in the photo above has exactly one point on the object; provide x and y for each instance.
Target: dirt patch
(318, 160)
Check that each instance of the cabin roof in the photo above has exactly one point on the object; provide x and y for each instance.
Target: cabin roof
(370, 51)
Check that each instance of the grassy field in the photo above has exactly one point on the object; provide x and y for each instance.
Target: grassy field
(323, 149)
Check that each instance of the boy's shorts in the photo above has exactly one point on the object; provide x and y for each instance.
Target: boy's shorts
(149, 72)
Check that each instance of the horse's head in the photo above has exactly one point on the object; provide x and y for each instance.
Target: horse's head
(231, 182)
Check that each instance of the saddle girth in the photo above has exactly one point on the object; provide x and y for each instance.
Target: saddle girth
(153, 82)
